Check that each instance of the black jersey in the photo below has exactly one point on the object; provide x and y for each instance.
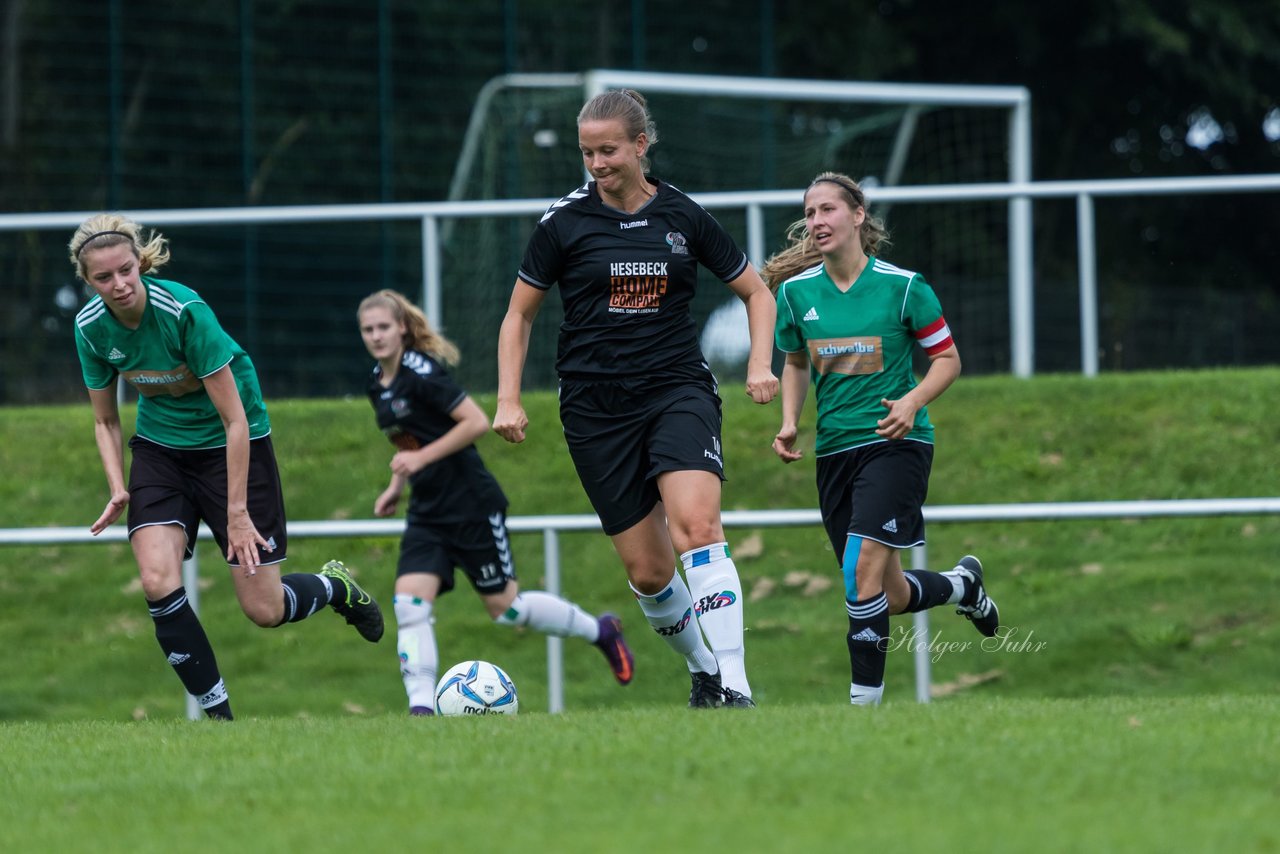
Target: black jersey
(627, 279)
(414, 411)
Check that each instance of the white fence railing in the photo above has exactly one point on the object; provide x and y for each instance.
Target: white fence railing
(430, 215)
(551, 527)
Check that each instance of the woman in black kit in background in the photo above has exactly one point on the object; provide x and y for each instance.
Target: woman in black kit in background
(457, 511)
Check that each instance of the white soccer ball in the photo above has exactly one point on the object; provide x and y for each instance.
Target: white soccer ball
(476, 688)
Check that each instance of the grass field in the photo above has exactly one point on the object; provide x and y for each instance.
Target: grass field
(1103, 774)
(1139, 715)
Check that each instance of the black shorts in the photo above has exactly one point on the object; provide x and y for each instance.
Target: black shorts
(178, 486)
(623, 433)
(482, 548)
(875, 491)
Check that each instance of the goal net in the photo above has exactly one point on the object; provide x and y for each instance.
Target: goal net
(719, 135)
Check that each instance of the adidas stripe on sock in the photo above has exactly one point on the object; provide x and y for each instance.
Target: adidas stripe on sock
(929, 589)
(187, 649)
(304, 594)
(868, 640)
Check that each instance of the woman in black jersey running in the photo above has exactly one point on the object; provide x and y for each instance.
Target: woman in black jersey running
(639, 405)
(457, 511)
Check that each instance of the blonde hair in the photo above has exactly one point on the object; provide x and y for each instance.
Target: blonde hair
(801, 253)
(627, 106)
(418, 334)
(105, 230)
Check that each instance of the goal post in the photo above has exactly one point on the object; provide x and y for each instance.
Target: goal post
(721, 135)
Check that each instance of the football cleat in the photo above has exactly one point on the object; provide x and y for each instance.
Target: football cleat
(421, 711)
(615, 648)
(737, 700)
(706, 692)
(352, 602)
(976, 605)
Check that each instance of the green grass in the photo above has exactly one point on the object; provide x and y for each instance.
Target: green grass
(1143, 691)
(1114, 607)
(1109, 774)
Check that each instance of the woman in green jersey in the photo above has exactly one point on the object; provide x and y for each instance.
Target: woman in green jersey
(849, 322)
(202, 452)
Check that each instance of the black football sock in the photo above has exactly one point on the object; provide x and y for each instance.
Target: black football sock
(868, 640)
(184, 643)
(928, 589)
(304, 594)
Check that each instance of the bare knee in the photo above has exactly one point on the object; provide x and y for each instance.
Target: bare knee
(689, 534)
(650, 577)
(264, 614)
(158, 550)
(897, 599)
(872, 566)
(158, 583)
(896, 590)
(646, 553)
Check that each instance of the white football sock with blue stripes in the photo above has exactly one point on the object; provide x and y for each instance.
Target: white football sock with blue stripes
(670, 613)
(717, 602)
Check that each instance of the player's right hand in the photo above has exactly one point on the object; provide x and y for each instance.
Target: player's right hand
(111, 513)
(510, 421)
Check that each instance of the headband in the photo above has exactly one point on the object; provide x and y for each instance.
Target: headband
(96, 235)
(835, 181)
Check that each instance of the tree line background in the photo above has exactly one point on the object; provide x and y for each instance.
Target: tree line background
(113, 105)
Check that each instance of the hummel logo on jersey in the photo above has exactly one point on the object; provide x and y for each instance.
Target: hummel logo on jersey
(867, 634)
(811, 314)
(115, 355)
(176, 658)
(891, 526)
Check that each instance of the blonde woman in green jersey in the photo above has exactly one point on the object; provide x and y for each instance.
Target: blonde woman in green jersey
(202, 453)
(849, 322)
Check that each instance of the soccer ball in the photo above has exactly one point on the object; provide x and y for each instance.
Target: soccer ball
(476, 688)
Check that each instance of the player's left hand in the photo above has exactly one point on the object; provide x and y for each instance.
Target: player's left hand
(762, 386)
(407, 463)
(385, 504)
(900, 419)
(243, 541)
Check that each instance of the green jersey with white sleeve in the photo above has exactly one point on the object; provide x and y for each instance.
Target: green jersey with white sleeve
(178, 343)
(860, 343)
